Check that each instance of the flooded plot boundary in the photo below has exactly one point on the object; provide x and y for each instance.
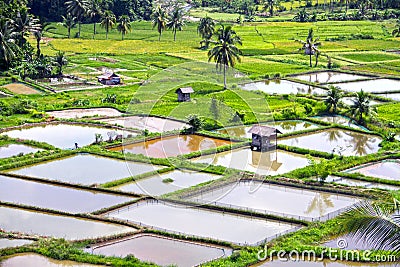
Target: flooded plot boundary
(223, 249)
(217, 210)
(279, 215)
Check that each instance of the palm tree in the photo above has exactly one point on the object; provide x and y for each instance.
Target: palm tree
(333, 98)
(206, 29)
(225, 53)
(396, 31)
(176, 21)
(270, 5)
(310, 46)
(45, 27)
(379, 227)
(23, 24)
(124, 25)
(69, 22)
(8, 47)
(107, 21)
(361, 106)
(93, 11)
(78, 8)
(159, 19)
(60, 61)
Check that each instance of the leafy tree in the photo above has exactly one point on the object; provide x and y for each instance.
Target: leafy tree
(78, 9)
(301, 16)
(195, 122)
(225, 53)
(396, 31)
(321, 168)
(94, 11)
(310, 46)
(23, 24)
(206, 29)
(124, 25)
(108, 21)
(60, 61)
(176, 21)
(270, 5)
(8, 46)
(159, 18)
(376, 226)
(45, 27)
(361, 106)
(333, 98)
(69, 22)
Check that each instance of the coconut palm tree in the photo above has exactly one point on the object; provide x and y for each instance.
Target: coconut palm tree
(333, 98)
(60, 61)
(23, 24)
(108, 21)
(78, 8)
(376, 226)
(361, 106)
(176, 21)
(310, 46)
(124, 25)
(93, 11)
(206, 29)
(225, 53)
(270, 5)
(8, 46)
(159, 18)
(45, 27)
(69, 22)
(396, 31)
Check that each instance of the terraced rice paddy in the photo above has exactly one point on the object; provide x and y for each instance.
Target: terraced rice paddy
(85, 169)
(195, 222)
(84, 112)
(283, 87)
(16, 149)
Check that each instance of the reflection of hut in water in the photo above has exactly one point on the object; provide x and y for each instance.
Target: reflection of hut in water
(263, 137)
(265, 160)
(184, 93)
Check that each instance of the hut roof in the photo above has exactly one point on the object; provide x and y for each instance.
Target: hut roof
(263, 130)
(108, 75)
(186, 90)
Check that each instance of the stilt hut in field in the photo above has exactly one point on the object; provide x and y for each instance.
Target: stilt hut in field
(184, 93)
(263, 138)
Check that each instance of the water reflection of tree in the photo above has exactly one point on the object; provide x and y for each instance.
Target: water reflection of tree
(361, 143)
(320, 203)
(288, 125)
(333, 135)
(193, 141)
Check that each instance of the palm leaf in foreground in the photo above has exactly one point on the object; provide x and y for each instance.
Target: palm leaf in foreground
(376, 226)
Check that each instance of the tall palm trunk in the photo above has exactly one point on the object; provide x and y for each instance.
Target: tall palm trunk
(38, 52)
(174, 35)
(225, 66)
(79, 29)
(310, 60)
(94, 29)
(107, 32)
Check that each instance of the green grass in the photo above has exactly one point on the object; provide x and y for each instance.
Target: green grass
(370, 56)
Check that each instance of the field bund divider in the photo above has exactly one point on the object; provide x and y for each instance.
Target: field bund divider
(152, 201)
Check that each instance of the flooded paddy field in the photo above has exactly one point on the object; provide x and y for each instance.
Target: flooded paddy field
(329, 77)
(196, 222)
(288, 126)
(338, 141)
(36, 260)
(84, 112)
(160, 184)
(44, 224)
(262, 197)
(10, 150)
(172, 146)
(371, 86)
(387, 169)
(10, 243)
(55, 197)
(85, 169)
(283, 87)
(152, 124)
(55, 134)
(169, 251)
(264, 163)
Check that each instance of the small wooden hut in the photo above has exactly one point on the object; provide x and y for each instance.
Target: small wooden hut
(184, 93)
(263, 138)
(109, 79)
